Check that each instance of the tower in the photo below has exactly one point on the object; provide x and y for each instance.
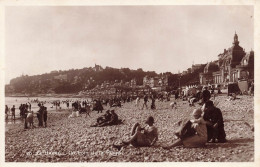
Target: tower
(236, 42)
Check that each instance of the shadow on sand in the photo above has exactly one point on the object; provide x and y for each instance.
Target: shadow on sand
(231, 143)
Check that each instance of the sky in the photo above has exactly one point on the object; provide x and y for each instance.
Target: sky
(40, 39)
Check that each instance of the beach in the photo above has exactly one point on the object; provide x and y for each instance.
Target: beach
(73, 140)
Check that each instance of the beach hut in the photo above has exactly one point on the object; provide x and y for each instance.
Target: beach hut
(243, 86)
(233, 88)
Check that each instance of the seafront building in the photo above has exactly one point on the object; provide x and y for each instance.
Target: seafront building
(233, 65)
(155, 81)
(195, 67)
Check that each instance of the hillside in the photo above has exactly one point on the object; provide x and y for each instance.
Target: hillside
(75, 80)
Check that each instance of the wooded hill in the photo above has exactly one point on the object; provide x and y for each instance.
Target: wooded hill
(75, 80)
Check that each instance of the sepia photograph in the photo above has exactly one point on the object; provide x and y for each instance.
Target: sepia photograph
(129, 83)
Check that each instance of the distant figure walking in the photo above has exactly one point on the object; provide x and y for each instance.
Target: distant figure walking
(40, 115)
(13, 112)
(137, 101)
(145, 102)
(176, 95)
(6, 112)
(25, 113)
(45, 116)
(153, 103)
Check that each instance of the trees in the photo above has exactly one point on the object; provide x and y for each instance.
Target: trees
(75, 80)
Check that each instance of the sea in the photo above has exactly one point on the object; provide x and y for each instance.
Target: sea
(48, 102)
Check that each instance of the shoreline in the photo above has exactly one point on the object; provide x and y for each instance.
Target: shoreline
(44, 95)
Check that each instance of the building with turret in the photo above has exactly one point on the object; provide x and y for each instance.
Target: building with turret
(233, 64)
(97, 68)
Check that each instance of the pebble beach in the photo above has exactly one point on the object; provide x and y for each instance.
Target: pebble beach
(73, 140)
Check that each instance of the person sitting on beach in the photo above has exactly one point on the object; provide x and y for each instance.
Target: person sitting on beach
(232, 96)
(205, 95)
(113, 120)
(117, 103)
(104, 118)
(173, 104)
(141, 137)
(215, 129)
(192, 100)
(192, 133)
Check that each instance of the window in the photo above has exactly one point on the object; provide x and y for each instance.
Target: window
(245, 62)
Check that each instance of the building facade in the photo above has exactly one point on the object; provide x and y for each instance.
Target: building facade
(61, 77)
(155, 81)
(207, 76)
(233, 64)
(195, 67)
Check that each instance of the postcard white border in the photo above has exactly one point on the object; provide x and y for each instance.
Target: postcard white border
(255, 3)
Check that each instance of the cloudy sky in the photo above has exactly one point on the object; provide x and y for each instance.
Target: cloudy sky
(155, 38)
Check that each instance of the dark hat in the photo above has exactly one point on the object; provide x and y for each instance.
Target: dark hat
(150, 120)
(209, 104)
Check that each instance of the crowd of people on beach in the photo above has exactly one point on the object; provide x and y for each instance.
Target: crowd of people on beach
(207, 124)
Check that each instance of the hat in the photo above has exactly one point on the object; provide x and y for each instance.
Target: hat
(197, 112)
(209, 104)
(150, 120)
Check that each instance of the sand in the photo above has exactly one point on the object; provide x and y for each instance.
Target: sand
(73, 140)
